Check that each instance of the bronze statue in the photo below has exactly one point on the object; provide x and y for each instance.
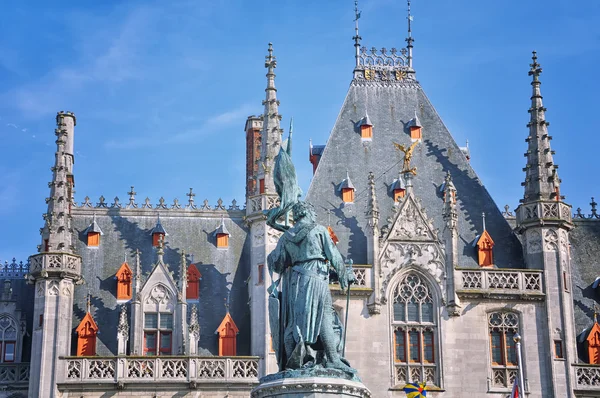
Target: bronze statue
(408, 153)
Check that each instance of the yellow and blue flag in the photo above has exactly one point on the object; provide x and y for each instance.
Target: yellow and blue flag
(415, 390)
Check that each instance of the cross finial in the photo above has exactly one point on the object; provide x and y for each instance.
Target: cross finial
(270, 61)
(536, 69)
(226, 300)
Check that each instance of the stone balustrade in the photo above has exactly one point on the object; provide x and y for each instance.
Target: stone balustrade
(14, 374)
(164, 369)
(482, 282)
(587, 377)
(64, 264)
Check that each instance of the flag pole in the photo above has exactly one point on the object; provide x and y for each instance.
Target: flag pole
(517, 340)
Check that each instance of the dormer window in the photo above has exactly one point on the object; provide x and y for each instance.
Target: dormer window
(158, 233)
(124, 279)
(222, 235)
(398, 189)
(193, 287)
(346, 188)
(93, 233)
(415, 128)
(227, 332)
(485, 255)
(366, 128)
(86, 336)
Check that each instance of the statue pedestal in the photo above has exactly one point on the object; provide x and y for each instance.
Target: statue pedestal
(311, 387)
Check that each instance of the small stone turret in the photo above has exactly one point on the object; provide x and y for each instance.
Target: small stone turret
(55, 270)
(544, 220)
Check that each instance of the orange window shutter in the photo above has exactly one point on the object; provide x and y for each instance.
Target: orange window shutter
(415, 133)
(261, 185)
(193, 288)
(222, 240)
(366, 131)
(348, 195)
(93, 239)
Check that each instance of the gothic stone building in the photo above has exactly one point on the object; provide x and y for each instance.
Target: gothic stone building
(138, 298)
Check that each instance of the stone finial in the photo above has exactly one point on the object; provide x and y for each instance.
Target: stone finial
(160, 251)
(594, 210)
(183, 281)
(372, 206)
(131, 204)
(194, 326)
(123, 327)
(147, 204)
(116, 203)
(190, 196)
(122, 332)
(219, 205)
(234, 205)
(138, 273)
(536, 69)
(161, 203)
(101, 202)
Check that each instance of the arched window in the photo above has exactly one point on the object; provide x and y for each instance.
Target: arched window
(414, 325)
(8, 339)
(503, 326)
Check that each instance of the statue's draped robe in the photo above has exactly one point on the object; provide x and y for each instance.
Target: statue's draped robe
(301, 258)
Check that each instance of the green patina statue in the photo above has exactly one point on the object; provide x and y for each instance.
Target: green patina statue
(306, 331)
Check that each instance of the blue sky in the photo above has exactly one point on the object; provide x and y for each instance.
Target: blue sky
(161, 90)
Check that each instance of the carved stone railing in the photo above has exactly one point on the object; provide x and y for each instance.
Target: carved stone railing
(587, 377)
(14, 374)
(165, 369)
(507, 282)
(65, 264)
(261, 202)
(543, 210)
(362, 285)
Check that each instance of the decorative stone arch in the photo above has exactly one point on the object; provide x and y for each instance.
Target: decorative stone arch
(436, 294)
(396, 274)
(10, 334)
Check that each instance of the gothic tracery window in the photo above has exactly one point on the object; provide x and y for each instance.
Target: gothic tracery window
(503, 326)
(8, 339)
(414, 331)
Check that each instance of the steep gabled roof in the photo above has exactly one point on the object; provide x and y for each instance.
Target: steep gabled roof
(391, 104)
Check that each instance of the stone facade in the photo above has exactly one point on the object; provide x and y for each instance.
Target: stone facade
(423, 308)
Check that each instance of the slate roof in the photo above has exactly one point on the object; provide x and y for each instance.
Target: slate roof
(125, 230)
(585, 266)
(391, 107)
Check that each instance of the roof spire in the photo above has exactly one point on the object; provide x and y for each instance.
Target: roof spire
(409, 39)
(57, 231)
(271, 134)
(183, 274)
(541, 177)
(483, 220)
(356, 37)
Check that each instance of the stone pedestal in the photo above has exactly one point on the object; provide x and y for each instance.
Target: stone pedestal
(310, 387)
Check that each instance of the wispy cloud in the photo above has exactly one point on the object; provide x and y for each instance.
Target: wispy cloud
(192, 134)
(108, 58)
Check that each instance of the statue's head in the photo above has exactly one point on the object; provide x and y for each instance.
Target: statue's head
(302, 210)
